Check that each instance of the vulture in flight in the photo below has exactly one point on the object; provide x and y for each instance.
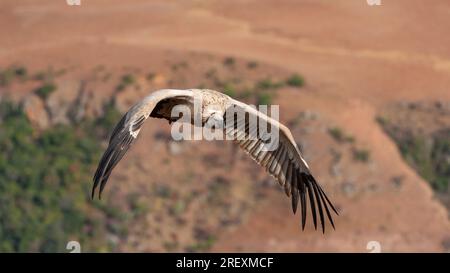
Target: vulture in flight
(283, 161)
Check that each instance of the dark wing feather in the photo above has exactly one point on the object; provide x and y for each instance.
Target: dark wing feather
(119, 143)
(284, 163)
(311, 201)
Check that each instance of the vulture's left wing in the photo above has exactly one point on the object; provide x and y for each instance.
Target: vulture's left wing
(282, 160)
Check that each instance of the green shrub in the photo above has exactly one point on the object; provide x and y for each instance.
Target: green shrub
(229, 61)
(267, 84)
(44, 91)
(202, 245)
(47, 75)
(109, 118)
(229, 89)
(339, 135)
(20, 72)
(204, 240)
(264, 98)
(211, 73)
(252, 65)
(383, 121)
(6, 77)
(45, 179)
(361, 155)
(126, 80)
(163, 191)
(295, 81)
(170, 246)
(11, 73)
(39, 76)
(427, 154)
(150, 76)
(246, 93)
(440, 155)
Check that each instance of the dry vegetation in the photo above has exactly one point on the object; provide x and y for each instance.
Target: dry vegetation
(422, 133)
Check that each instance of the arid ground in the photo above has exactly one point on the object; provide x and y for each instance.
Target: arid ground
(358, 62)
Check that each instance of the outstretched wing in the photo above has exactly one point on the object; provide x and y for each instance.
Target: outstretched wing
(159, 105)
(282, 159)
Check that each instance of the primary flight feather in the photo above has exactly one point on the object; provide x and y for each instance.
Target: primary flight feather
(283, 161)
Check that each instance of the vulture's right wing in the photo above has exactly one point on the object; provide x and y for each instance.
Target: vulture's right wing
(283, 160)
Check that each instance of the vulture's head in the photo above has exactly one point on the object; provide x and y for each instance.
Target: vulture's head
(213, 117)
